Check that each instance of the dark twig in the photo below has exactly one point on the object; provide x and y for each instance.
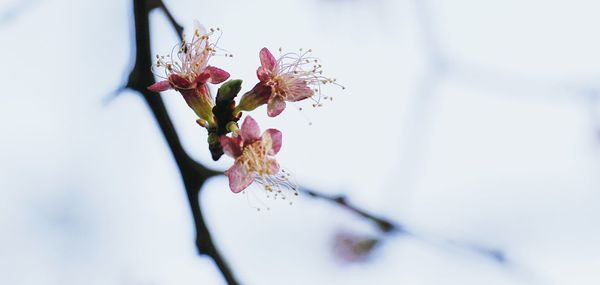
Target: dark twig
(382, 224)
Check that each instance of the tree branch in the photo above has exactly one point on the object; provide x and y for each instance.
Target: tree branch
(194, 174)
(382, 224)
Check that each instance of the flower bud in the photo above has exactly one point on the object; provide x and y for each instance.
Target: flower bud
(203, 123)
(228, 91)
(233, 127)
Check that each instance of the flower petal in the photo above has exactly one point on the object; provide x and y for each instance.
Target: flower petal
(250, 131)
(267, 60)
(217, 75)
(160, 86)
(274, 166)
(199, 28)
(275, 137)
(263, 74)
(275, 106)
(239, 177)
(202, 77)
(231, 146)
(179, 82)
(299, 93)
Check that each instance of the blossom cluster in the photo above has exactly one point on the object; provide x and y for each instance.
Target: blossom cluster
(291, 77)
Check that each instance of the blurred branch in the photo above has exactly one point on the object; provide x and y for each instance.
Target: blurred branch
(382, 224)
(442, 67)
(178, 28)
(18, 8)
(387, 226)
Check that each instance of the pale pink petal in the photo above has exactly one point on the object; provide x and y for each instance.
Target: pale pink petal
(275, 106)
(201, 32)
(160, 86)
(263, 74)
(297, 89)
(250, 131)
(217, 75)
(231, 146)
(299, 93)
(267, 60)
(276, 137)
(239, 177)
(274, 166)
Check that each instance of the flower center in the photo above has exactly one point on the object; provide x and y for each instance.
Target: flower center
(254, 158)
(279, 86)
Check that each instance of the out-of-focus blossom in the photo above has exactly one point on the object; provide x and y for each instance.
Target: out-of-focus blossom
(351, 247)
(293, 77)
(254, 157)
(189, 72)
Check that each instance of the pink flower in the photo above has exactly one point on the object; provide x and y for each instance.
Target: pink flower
(254, 157)
(293, 77)
(190, 72)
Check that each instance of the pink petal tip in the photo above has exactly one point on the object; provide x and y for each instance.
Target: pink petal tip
(160, 86)
(250, 131)
(267, 60)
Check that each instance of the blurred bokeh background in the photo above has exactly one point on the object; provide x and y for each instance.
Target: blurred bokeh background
(474, 123)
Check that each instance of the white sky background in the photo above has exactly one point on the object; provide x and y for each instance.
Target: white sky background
(495, 145)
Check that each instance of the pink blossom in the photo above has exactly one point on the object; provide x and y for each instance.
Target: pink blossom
(293, 77)
(254, 157)
(190, 72)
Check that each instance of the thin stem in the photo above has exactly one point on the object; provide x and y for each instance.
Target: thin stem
(382, 224)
